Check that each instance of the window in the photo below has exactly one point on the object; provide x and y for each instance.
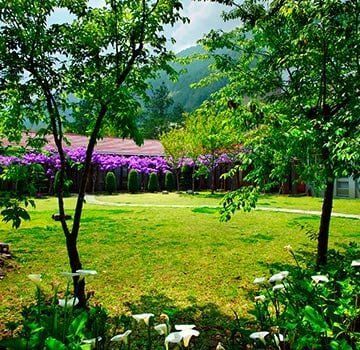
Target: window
(342, 187)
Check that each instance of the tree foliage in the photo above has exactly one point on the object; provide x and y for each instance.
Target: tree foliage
(158, 114)
(169, 181)
(153, 185)
(110, 182)
(101, 58)
(299, 67)
(133, 181)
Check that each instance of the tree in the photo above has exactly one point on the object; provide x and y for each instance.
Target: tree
(169, 181)
(133, 181)
(110, 182)
(66, 185)
(299, 66)
(157, 114)
(174, 146)
(211, 134)
(102, 57)
(153, 185)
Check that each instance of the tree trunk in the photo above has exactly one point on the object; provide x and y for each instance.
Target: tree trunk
(212, 181)
(75, 264)
(323, 238)
(177, 179)
(193, 180)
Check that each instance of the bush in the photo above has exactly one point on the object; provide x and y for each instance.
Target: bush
(110, 182)
(47, 325)
(153, 185)
(133, 181)
(301, 307)
(56, 324)
(169, 181)
(186, 177)
(67, 184)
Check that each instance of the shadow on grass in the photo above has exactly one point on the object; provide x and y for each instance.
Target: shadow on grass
(212, 323)
(206, 210)
(203, 195)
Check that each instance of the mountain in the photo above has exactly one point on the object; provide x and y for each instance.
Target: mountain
(181, 92)
(185, 98)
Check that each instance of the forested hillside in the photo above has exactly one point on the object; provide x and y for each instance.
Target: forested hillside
(181, 92)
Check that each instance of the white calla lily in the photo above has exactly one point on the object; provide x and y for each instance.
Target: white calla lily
(259, 280)
(187, 334)
(355, 263)
(320, 279)
(68, 302)
(70, 275)
(161, 328)
(143, 317)
(260, 298)
(174, 338)
(91, 342)
(36, 278)
(288, 248)
(219, 347)
(84, 273)
(278, 287)
(278, 277)
(183, 327)
(278, 338)
(122, 337)
(259, 336)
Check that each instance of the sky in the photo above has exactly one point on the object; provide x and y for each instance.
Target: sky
(203, 15)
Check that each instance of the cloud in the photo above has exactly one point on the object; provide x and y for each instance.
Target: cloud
(203, 16)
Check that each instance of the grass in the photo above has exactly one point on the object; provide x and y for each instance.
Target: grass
(153, 259)
(345, 206)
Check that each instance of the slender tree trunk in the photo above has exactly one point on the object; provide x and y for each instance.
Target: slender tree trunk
(75, 264)
(193, 180)
(177, 179)
(323, 238)
(212, 181)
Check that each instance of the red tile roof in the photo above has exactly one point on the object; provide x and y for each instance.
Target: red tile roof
(109, 145)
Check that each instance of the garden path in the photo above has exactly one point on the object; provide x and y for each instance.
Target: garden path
(91, 199)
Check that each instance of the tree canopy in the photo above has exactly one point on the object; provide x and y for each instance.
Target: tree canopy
(101, 59)
(298, 64)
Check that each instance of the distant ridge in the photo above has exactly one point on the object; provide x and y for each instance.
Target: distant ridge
(189, 98)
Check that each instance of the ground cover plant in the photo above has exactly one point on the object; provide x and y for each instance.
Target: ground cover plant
(299, 309)
(151, 259)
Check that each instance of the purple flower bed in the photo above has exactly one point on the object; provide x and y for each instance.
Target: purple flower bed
(109, 162)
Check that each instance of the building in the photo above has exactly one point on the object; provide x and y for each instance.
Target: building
(347, 187)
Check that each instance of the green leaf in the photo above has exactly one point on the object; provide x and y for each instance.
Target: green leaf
(77, 326)
(14, 344)
(315, 320)
(54, 344)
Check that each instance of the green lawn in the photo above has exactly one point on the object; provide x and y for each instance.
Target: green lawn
(156, 259)
(346, 206)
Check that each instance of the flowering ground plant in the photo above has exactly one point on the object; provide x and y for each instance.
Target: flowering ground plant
(57, 323)
(308, 308)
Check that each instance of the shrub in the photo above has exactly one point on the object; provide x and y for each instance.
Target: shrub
(299, 307)
(133, 181)
(47, 325)
(110, 182)
(153, 185)
(186, 177)
(54, 324)
(67, 184)
(169, 181)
